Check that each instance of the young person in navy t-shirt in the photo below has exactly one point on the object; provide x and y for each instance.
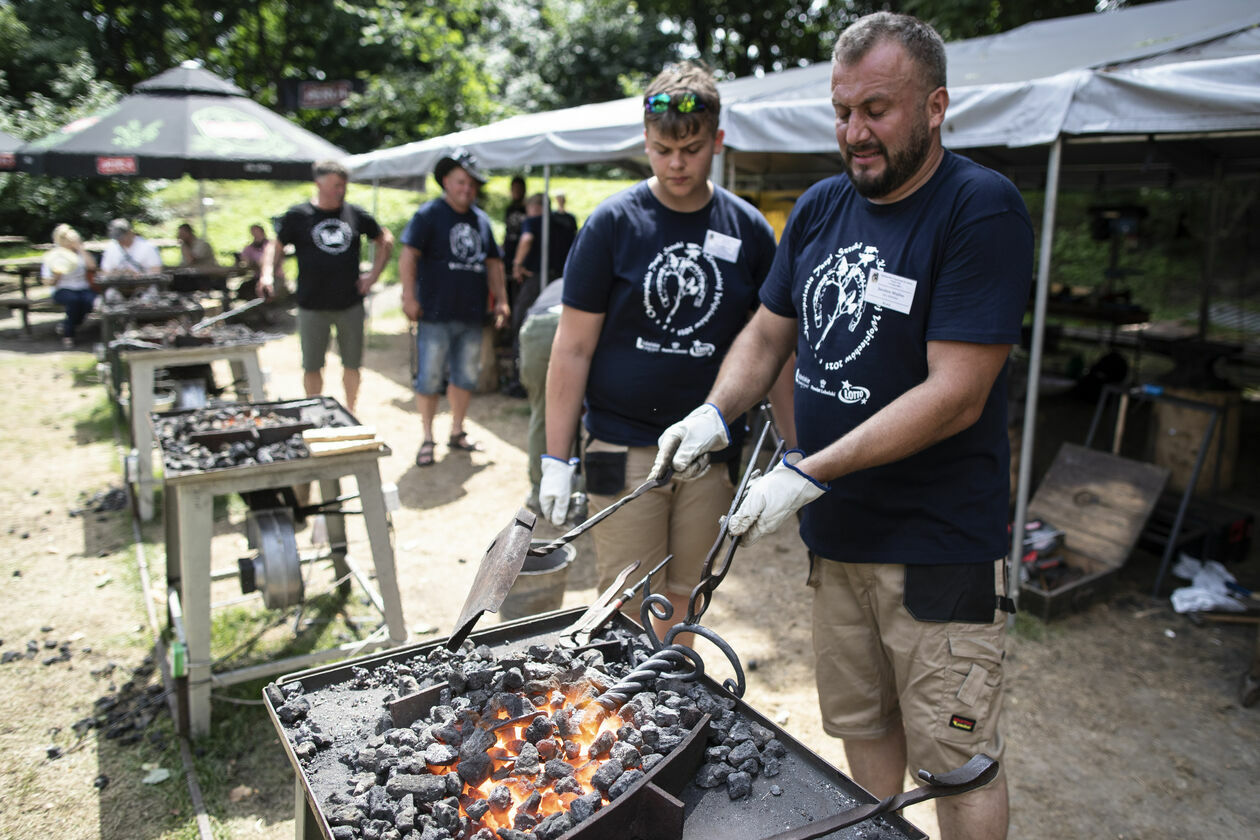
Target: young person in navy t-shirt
(449, 266)
(901, 286)
(659, 281)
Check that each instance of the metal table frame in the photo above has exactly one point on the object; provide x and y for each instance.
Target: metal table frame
(189, 503)
(142, 366)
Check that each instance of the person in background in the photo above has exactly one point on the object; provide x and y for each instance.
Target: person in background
(325, 233)
(657, 285)
(562, 219)
(251, 258)
(128, 253)
(68, 266)
(901, 284)
(194, 251)
(449, 265)
(513, 218)
(527, 264)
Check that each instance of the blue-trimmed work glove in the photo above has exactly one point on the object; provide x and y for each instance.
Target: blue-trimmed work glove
(556, 487)
(686, 445)
(774, 497)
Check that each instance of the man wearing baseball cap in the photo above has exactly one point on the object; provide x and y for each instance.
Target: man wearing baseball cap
(449, 265)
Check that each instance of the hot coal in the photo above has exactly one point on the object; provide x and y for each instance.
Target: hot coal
(445, 776)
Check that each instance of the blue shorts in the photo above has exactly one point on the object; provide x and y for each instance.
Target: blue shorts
(440, 342)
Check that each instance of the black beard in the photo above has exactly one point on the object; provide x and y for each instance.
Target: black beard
(901, 166)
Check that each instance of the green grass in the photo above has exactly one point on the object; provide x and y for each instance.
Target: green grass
(235, 205)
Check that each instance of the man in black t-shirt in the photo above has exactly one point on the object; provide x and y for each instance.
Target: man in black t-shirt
(325, 234)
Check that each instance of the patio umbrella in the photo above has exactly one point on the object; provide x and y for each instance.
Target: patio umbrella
(185, 121)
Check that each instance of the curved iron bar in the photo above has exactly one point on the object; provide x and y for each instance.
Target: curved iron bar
(735, 686)
(664, 662)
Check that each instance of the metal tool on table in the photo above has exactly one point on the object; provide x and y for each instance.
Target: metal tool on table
(976, 773)
(505, 557)
(223, 316)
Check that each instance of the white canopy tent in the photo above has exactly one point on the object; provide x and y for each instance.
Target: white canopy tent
(1140, 95)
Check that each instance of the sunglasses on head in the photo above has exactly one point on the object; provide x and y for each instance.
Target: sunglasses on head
(684, 103)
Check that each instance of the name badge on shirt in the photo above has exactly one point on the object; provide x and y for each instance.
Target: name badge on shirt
(721, 246)
(890, 290)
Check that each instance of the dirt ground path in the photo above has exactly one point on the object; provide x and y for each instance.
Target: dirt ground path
(1121, 721)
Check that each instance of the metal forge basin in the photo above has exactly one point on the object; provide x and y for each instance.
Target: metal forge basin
(344, 706)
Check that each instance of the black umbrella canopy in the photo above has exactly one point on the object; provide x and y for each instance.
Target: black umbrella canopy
(185, 121)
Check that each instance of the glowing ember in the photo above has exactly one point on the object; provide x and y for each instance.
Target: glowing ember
(532, 759)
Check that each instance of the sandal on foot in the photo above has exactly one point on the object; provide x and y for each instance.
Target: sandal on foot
(424, 458)
(463, 444)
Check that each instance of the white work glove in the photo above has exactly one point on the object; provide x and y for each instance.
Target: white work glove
(556, 487)
(774, 497)
(686, 445)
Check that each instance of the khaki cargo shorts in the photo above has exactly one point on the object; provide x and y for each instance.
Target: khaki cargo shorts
(878, 667)
(680, 518)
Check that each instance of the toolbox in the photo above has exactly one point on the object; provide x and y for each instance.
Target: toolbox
(1100, 502)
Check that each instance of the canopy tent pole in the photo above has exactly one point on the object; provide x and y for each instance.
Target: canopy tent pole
(1014, 560)
(543, 261)
(201, 206)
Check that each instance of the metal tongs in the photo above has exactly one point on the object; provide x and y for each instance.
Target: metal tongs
(578, 634)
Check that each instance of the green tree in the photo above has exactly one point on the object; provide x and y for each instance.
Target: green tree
(31, 205)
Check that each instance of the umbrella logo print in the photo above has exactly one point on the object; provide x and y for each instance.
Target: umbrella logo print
(225, 132)
(134, 133)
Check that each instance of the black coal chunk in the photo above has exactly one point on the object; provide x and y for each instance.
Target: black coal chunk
(524, 821)
(527, 759)
(742, 752)
(441, 755)
(602, 744)
(569, 784)
(423, 787)
(345, 815)
(379, 804)
(539, 729)
(557, 769)
(771, 765)
(475, 769)
(738, 785)
(553, 826)
(606, 775)
(624, 782)
(477, 741)
(711, 774)
(626, 755)
(477, 808)
(500, 799)
(775, 748)
(446, 815)
(584, 807)
(293, 710)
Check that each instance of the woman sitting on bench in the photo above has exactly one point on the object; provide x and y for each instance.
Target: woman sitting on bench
(68, 266)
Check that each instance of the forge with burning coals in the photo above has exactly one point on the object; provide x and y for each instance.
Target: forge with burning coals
(567, 726)
(517, 735)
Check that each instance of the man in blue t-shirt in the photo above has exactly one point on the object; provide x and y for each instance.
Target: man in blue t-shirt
(658, 283)
(901, 286)
(449, 265)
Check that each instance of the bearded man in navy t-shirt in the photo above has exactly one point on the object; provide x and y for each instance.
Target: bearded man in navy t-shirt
(901, 286)
(449, 267)
(659, 281)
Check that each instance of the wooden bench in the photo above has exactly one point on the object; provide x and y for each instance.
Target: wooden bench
(25, 306)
